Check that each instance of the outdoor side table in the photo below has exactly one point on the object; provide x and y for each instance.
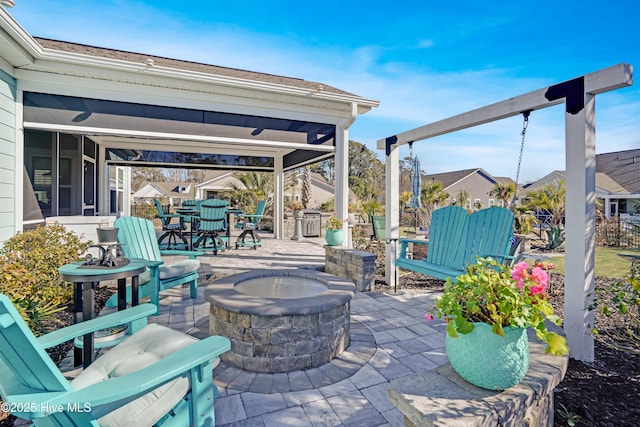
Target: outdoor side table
(84, 282)
(231, 213)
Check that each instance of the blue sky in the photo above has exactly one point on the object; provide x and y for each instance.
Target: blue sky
(424, 61)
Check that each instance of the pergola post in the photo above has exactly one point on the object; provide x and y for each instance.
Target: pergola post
(342, 178)
(392, 215)
(278, 197)
(580, 181)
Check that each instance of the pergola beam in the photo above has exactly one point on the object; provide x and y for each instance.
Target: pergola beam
(605, 80)
(579, 97)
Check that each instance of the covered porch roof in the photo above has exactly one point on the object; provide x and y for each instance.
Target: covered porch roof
(149, 110)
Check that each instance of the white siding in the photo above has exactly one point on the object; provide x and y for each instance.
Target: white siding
(7, 155)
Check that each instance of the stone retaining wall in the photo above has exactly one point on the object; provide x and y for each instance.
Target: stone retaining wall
(355, 266)
(440, 397)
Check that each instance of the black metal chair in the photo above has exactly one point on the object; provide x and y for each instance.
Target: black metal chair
(172, 230)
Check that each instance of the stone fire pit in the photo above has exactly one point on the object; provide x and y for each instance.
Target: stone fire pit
(281, 320)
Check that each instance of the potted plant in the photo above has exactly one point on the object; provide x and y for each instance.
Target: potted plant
(333, 234)
(352, 210)
(488, 311)
(297, 208)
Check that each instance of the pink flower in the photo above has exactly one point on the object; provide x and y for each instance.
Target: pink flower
(519, 273)
(538, 289)
(540, 276)
(428, 316)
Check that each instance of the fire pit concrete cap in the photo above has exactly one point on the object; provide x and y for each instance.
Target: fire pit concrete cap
(224, 294)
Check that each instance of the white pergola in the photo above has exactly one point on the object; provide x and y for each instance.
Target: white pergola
(580, 139)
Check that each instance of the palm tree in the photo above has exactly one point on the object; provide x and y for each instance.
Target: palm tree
(462, 198)
(259, 185)
(551, 198)
(504, 192)
(433, 196)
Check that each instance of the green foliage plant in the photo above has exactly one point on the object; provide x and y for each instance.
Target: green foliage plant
(29, 276)
(622, 299)
(494, 294)
(333, 223)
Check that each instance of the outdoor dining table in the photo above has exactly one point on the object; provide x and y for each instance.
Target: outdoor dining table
(85, 279)
(192, 216)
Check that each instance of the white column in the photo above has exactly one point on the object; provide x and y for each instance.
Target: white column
(342, 178)
(392, 216)
(580, 229)
(278, 197)
(18, 166)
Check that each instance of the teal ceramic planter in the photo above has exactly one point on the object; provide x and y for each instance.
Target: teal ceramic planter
(488, 360)
(333, 237)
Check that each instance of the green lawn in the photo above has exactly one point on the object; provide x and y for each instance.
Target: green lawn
(608, 263)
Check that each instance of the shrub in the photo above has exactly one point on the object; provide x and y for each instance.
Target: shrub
(622, 302)
(30, 277)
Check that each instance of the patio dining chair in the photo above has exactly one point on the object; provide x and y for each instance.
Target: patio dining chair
(155, 376)
(137, 239)
(213, 216)
(249, 226)
(172, 230)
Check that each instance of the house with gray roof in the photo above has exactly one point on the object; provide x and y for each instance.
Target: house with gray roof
(477, 182)
(617, 183)
(74, 120)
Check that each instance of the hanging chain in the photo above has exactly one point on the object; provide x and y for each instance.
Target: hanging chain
(525, 124)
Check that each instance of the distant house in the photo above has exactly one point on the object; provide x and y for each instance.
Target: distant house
(216, 184)
(321, 190)
(617, 183)
(175, 192)
(622, 193)
(477, 182)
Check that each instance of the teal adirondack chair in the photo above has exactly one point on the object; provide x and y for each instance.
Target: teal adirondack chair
(213, 217)
(138, 239)
(172, 230)
(457, 238)
(249, 226)
(156, 375)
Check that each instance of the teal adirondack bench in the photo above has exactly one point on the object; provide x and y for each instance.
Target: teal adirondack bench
(457, 238)
(137, 237)
(249, 223)
(156, 375)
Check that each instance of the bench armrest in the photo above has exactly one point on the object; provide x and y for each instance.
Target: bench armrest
(404, 242)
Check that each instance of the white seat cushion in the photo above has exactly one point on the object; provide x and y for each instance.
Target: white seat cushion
(177, 269)
(150, 344)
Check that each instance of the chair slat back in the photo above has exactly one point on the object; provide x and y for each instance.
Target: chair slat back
(448, 224)
(25, 367)
(138, 238)
(259, 212)
(490, 233)
(213, 214)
